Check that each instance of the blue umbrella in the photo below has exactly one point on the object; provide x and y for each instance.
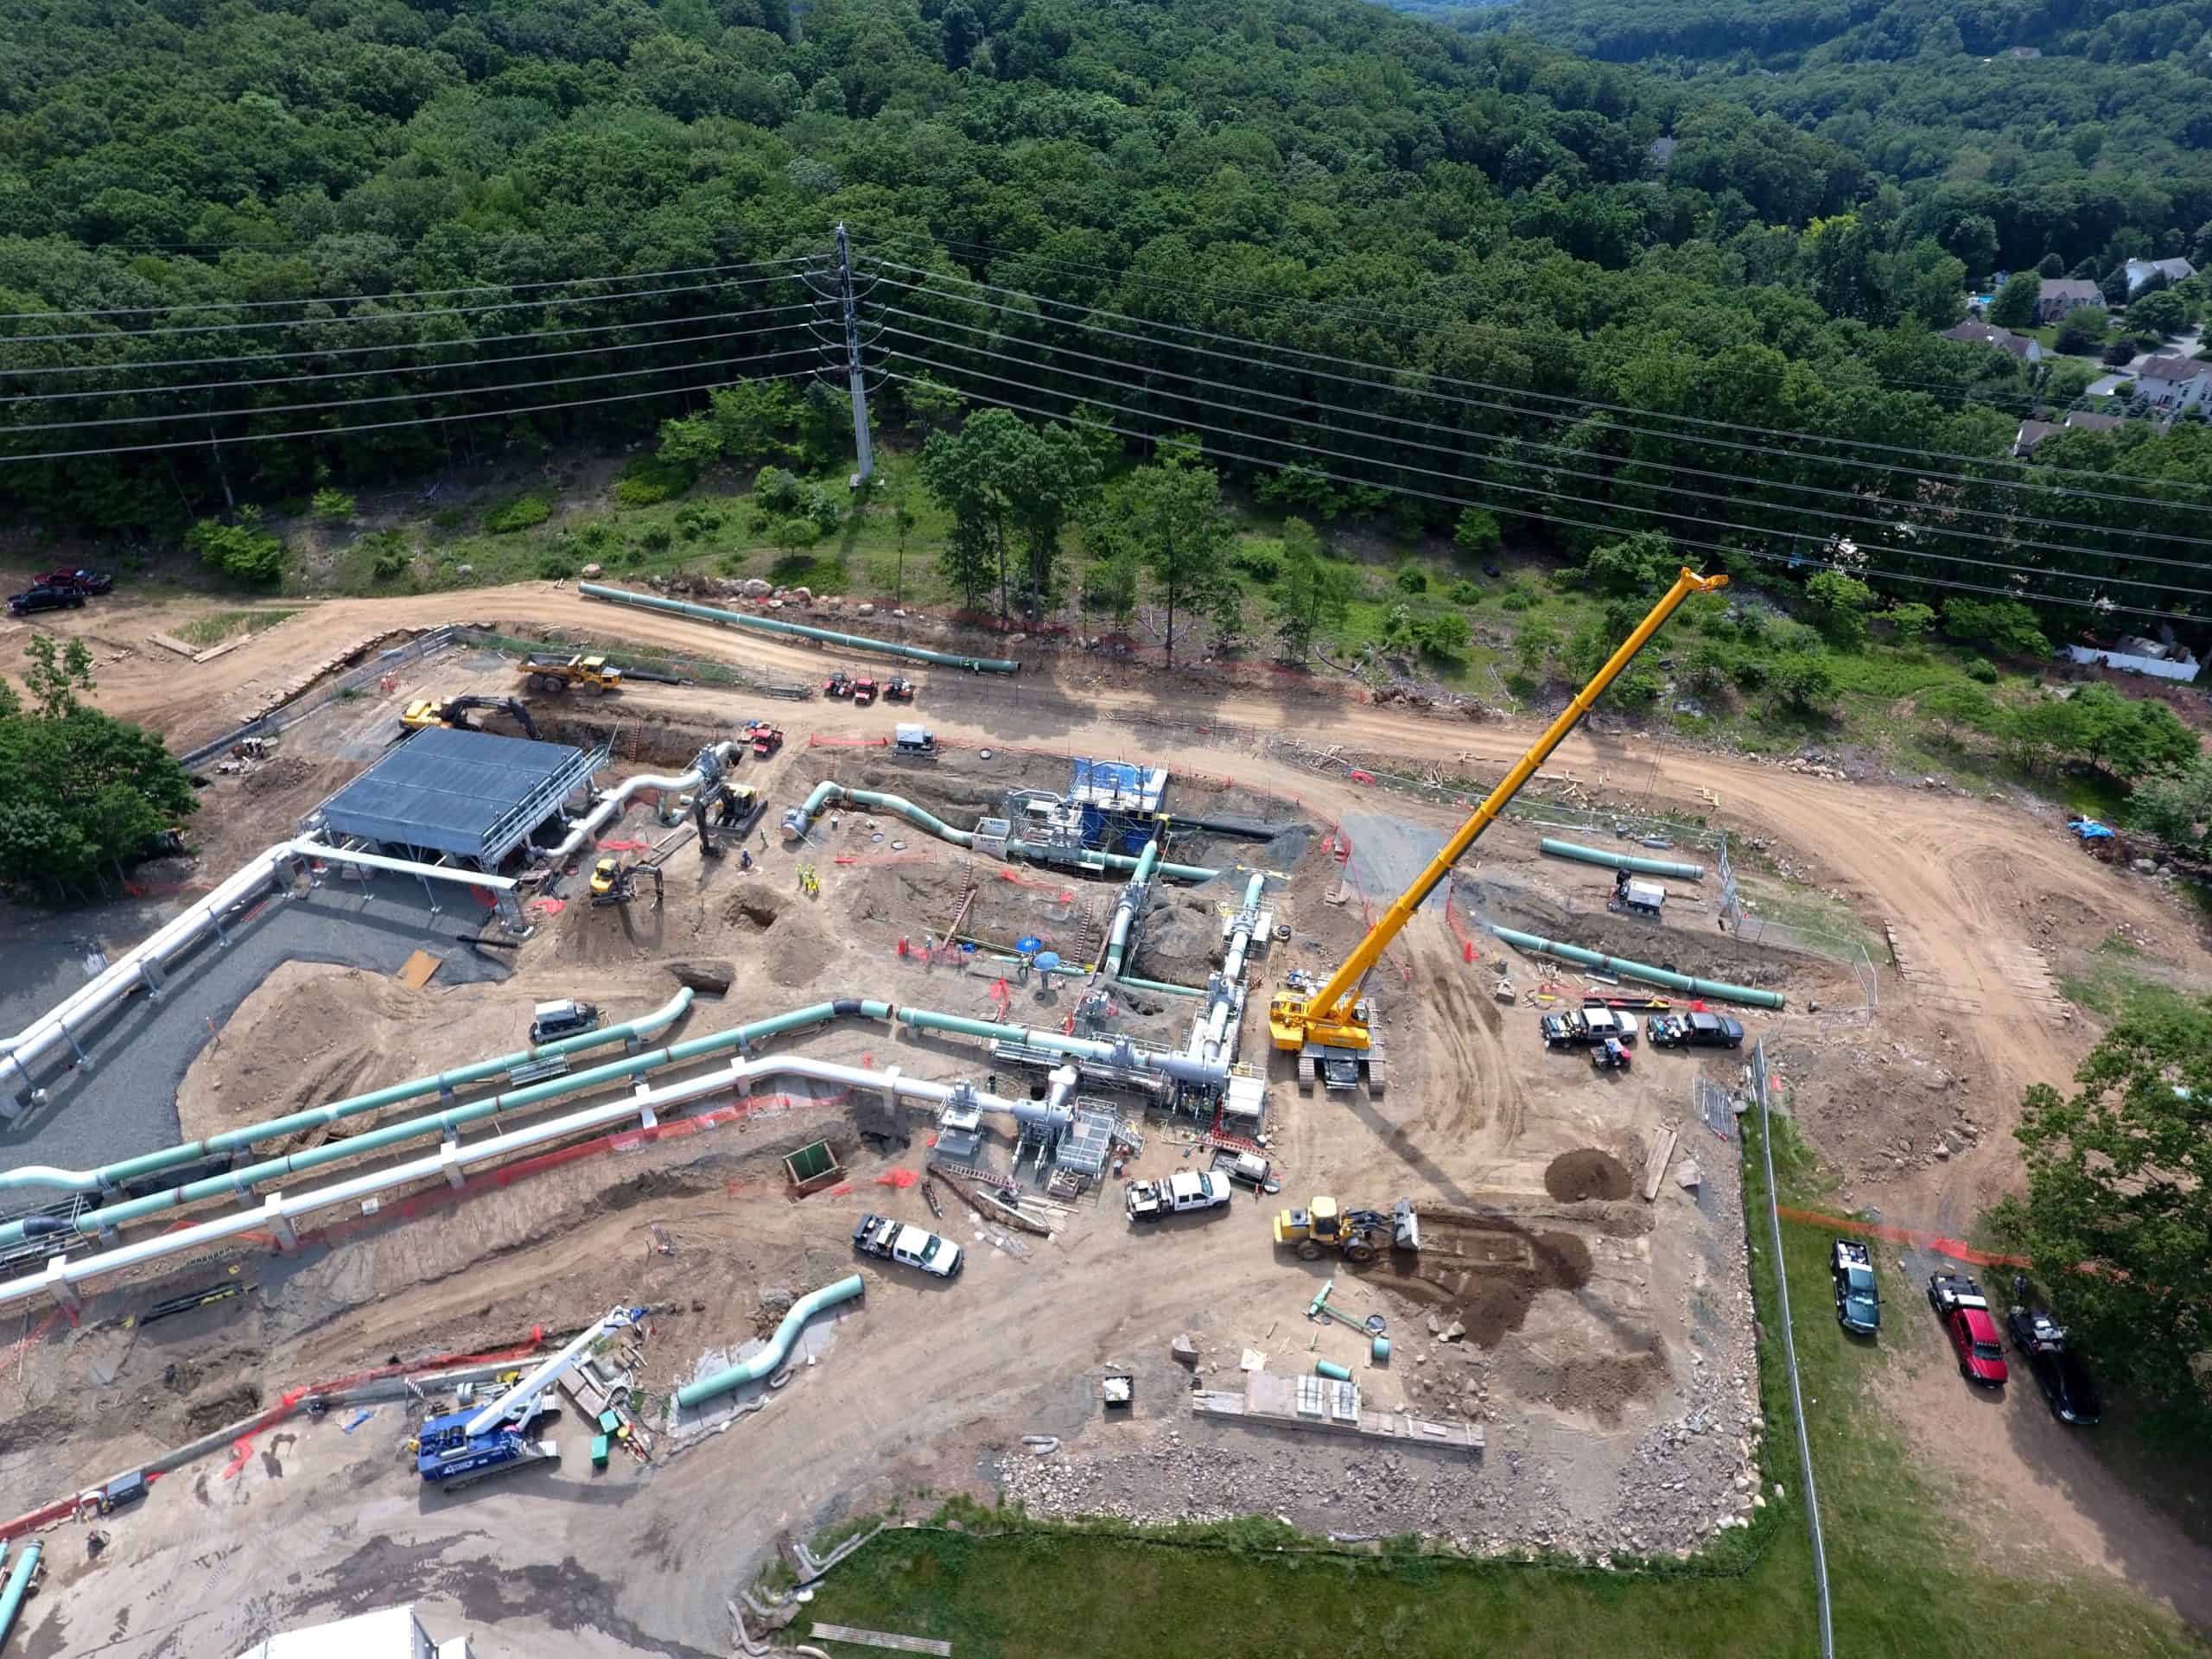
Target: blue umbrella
(1030, 943)
(1048, 960)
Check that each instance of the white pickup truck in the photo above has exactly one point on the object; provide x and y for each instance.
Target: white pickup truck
(1186, 1190)
(899, 1241)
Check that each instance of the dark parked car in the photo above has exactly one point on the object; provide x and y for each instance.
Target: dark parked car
(44, 598)
(78, 580)
(2059, 1372)
(1858, 1303)
(1696, 1031)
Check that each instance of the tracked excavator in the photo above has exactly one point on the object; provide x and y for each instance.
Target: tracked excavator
(426, 712)
(1330, 1026)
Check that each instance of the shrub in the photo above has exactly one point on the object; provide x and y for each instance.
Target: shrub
(333, 507)
(597, 537)
(1477, 535)
(2006, 624)
(1983, 670)
(1412, 579)
(244, 552)
(555, 565)
(648, 481)
(695, 523)
(778, 491)
(1517, 598)
(449, 518)
(1260, 561)
(1466, 592)
(1749, 672)
(1804, 682)
(524, 512)
(657, 539)
(388, 555)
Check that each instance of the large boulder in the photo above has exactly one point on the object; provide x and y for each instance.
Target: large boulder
(757, 587)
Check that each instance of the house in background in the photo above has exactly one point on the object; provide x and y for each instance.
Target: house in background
(2174, 270)
(2059, 295)
(2173, 382)
(2032, 433)
(1973, 332)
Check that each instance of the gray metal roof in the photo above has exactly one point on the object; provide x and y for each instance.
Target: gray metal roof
(473, 795)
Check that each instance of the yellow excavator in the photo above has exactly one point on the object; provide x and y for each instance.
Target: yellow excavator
(1327, 1026)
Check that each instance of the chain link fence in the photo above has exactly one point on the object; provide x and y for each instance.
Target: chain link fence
(351, 682)
(1759, 1093)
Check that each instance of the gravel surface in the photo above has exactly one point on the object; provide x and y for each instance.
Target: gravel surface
(125, 1102)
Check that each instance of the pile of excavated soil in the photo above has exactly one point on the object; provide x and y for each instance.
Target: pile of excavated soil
(272, 777)
(1596, 1385)
(1585, 1173)
(780, 930)
(1181, 938)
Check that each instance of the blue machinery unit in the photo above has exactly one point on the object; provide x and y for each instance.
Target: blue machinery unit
(460, 1447)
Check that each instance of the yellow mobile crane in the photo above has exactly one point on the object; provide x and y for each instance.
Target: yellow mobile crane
(1327, 1028)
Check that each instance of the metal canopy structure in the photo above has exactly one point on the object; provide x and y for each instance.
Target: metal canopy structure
(473, 795)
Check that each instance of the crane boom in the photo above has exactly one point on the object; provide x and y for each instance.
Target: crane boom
(1330, 1016)
(519, 1397)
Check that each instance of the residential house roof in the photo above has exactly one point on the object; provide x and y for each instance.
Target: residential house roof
(2079, 289)
(2171, 367)
(1973, 332)
(2176, 270)
(2031, 433)
(2085, 420)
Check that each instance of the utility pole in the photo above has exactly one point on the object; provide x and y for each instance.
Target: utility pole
(865, 456)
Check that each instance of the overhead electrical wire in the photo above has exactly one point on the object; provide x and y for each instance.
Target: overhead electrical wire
(393, 316)
(560, 331)
(1586, 404)
(1626, 463)
(118, 392)
(1544, 415)
(1706, 519)
(425, 420)
(1352, 312)
(2101, 606)
(399, 294)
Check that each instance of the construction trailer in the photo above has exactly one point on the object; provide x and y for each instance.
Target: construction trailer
(387, 1633)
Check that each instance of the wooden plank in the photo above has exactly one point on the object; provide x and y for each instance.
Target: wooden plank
(1663, 1156)
(220, 650)
(878, 1639)
(414, 973)
(170, 642)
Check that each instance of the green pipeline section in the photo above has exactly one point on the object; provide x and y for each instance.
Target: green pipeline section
(826, 792)
(1746, 995)
(93, 1221)
(772, 625)
(19, 1585)
(764, 1363)
(1161, 985)
(1622, 861)
(108, 1177)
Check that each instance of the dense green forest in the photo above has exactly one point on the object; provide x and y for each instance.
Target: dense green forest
(2076, 128)
(260, 250)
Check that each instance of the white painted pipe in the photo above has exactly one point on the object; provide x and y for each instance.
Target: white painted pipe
(124, 976)
(590, 825)
(61, 1277)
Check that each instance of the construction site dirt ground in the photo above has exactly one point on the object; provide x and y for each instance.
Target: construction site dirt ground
(1605, 1344)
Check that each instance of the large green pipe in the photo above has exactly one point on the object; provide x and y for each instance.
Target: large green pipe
(1667, 976)
(765, 1362)
(1136, 984)
(1622, 861)
(19, 1585)
(1125, 912)
(771, 625)
(826, 792)
(1180, 1066)
(111, 1176)
(236, 1181)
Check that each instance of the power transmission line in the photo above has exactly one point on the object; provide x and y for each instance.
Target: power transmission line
(560, 331)
(1078, 417)
(392, 316)
(396, 294)
(1349, 312)
(120, 392)
(1626, 463)
(427, 420)
(1585, 405)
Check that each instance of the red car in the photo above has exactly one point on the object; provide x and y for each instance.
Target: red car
(75, 581)
(1957, 1302)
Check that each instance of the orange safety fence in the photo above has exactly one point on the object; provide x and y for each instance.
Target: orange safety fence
(902, 1177)
(612, 846)
(1957, 1249)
